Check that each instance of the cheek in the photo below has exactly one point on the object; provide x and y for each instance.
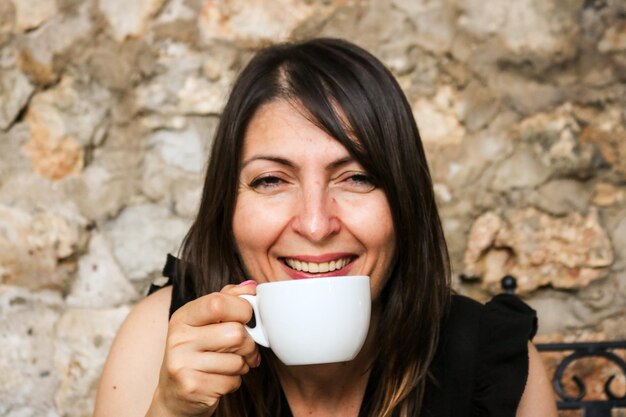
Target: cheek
(255, 227)
(371, 222)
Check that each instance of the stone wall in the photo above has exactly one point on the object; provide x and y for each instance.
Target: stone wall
(107, 108)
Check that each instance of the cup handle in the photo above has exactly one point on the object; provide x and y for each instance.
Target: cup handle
(257, 333)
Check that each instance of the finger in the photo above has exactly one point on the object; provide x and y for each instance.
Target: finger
(230, 337)
(246, 287)
(229, 364)
(214, 308)
(207, 388)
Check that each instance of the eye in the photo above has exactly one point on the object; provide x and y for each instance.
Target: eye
(267, 182)
(360, 182)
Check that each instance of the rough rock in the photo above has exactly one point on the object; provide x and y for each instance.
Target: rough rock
(32, 13)
(555, 313)
(128, 19)
(522, 93)
(614, 39)
(527, 27)
(10, 144)
(7, 21)
(102, 190)
(141, 236)
(434, 23)
(100, 282)
(36, 249)
(111, 180)
(477, 108)
(42, 48)
(539, 250)
(618, 234)
(255, 22)
(521, 170)
(560, 197)
(26, 191)
(556, 138)
(608, 194)
(607, 131)
(470, 163)
(187, 198)
(173, 165)
(83, 338)
(437, 118)
(422, 81)
(182, 149)
(15, 90)
(119, 67)
(52, 157)
(176, 10)
(62, 121)
(161, 181)
(72, 108)
(26, 360)
(181, 87)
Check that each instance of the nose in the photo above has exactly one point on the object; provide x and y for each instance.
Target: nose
(316, 217)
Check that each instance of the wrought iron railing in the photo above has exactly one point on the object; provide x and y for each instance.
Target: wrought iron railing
(573, 353)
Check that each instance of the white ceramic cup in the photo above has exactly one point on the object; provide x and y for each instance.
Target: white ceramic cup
(314, 320)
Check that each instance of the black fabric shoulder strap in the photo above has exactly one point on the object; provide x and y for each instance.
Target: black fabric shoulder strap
(171, 271)
(453, 368)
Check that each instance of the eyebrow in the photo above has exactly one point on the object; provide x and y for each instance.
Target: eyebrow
(286, 162)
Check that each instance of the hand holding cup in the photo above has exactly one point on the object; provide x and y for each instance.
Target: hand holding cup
(207, 352)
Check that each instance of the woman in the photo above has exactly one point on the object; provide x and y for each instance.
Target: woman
(317, 161)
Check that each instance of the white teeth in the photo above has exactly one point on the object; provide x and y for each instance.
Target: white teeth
(314, 267)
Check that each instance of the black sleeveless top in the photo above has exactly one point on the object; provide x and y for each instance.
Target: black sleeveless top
(481, 363)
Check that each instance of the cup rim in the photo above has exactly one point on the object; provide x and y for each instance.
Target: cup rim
(315, 280)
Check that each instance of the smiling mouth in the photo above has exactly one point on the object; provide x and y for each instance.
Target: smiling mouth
(317, 267)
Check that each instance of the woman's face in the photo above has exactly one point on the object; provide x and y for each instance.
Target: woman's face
(305, 208)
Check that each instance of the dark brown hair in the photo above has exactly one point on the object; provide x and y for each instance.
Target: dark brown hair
(349, 94)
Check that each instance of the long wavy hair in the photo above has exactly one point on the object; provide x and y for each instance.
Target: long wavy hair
(350, 95)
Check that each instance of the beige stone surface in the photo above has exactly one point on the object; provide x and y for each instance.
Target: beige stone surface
(526, 26)
(607, 131)
(32, 13)
(614, 39)
(52, 156)
(28, 379)
(15, 90)
(255, 22)
(437, 118)
(538, 249)
(608, 194)
(82, 341)
(128, 19)
(36, 249)
(42, 51)
(100, 281)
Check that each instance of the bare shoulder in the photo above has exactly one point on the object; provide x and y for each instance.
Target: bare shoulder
(538, 398)
(131, 372)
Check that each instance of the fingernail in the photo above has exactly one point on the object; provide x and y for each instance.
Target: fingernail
(258, 361)
(248, 282)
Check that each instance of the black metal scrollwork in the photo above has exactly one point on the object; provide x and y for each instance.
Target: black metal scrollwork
(580, 350)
